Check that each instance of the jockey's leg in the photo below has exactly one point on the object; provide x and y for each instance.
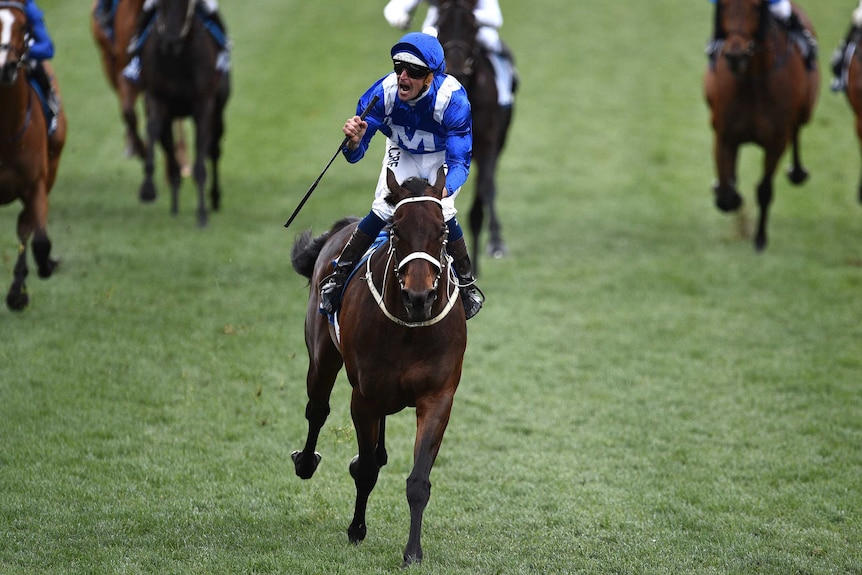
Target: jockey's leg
(501, 60)
(471, 296)
(332, 285)
(40, 74)
(795, 26)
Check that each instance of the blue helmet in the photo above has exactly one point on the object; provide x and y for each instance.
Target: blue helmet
(425, 47)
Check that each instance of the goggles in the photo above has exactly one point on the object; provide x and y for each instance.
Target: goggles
(413, 71)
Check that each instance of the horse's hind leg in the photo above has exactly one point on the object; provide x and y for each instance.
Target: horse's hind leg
(322, 371)
(764, 196)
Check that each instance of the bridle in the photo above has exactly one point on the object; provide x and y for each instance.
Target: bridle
(5, 42)
(187, 22)
(469, 49)
(398, 266)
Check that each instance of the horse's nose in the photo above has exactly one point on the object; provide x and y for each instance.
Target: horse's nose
(738, 55)
(418, 303)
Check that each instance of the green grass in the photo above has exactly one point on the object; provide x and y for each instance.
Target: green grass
(643, 393)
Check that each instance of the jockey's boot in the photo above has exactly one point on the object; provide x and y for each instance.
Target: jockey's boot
(471, 296)
(40, 74)
(795, 27)
(103, 16)
(837, 64)
(332, 285)
(144, 18)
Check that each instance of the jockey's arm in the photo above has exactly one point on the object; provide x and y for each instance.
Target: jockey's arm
(41, 47)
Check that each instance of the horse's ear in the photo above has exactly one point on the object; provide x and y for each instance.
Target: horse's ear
(440, 182)
(391, 181)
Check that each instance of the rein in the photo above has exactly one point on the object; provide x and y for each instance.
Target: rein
(397, 266)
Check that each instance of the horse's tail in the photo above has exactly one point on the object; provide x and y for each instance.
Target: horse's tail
(307, 248)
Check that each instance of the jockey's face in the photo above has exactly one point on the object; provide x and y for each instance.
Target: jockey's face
(409, 87)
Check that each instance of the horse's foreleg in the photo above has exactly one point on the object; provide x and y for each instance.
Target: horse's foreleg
(215, 156)
(727, 198)
(488, 191)
(363, 467)
(477, 217)
(432, 417)
(154, 124)
(797, 173)
(203, 139)
(764, 195)
(128, 97)
(172, 165)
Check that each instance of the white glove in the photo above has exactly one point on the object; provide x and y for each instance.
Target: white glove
(398, 13)
(857, 15)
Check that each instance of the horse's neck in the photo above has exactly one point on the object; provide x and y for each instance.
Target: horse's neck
(14, 102)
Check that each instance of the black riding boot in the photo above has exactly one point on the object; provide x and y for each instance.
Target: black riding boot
(40, 74)
(332, 285)
(104, 17)
(144, 19)
(794, 25)
(471, 296)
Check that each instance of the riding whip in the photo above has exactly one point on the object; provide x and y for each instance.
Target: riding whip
(317, 181)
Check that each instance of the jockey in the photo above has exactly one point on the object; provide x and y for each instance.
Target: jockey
(206, 9)
(782, 11)
(425, 116)
(844, 52)
(41, 49)
(489, 17)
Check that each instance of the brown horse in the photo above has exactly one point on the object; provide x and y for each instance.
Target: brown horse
(180, 79)
(29, 158)
(759, 91)
(115, 56)
(114, 52)
(466, 60)
(854, 85)
(401, 335)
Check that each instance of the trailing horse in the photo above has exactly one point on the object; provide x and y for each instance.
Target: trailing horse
(401, 336)
(29, 156)
(180, 79)
(759, 90)
(467, 61)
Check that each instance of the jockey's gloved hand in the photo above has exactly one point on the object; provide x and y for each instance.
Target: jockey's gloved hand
(398, 13)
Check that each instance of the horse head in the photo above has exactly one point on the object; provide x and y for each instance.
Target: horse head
(418, 241)
(456, 30)
(742, 23)
(14, 41)
(174, 19)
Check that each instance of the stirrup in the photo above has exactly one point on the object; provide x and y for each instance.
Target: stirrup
(472, 297)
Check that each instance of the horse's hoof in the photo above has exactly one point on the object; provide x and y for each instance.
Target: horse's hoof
(759, 244)
(47, 270)
(148, 192)
(304, 468)
(356, 533)
(728, 203)
(797, 175)
(497, 251)
(411, 560)
(17, 301)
